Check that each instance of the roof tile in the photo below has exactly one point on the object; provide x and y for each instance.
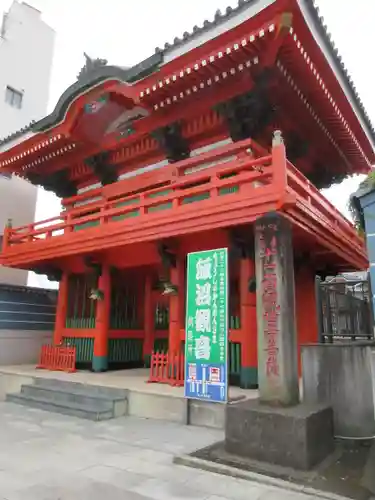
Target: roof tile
(220, 18)
(242, 4)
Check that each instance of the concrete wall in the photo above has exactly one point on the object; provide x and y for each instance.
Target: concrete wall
(342, 376)
(26, 54)
(22, 347)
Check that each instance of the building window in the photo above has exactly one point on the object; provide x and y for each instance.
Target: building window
(13, 97)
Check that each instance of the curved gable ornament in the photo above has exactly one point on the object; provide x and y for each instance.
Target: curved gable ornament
(94, 74)
(90, 66)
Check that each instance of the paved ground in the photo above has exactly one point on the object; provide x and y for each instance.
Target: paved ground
(46, 456)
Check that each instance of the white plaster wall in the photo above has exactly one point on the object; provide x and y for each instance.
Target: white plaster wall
(17, 202)
(26, 54)
(22, 347)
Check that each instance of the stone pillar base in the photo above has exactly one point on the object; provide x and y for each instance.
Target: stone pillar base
(100, 363)
(249, 377)
(299, 437)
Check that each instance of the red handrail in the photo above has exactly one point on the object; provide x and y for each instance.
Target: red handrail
(39, 223)
(182, 165)
(234, 172)
(240, 169)
(310, 195)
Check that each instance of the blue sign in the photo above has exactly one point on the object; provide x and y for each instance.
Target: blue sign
(203, 381)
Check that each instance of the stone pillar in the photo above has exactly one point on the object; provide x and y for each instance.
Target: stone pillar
(175, 307)
(148, 342)
(249, 348)
(276, 319)
(61, 310)
(103, 311)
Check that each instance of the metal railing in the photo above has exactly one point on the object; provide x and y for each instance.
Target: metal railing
(344, 311)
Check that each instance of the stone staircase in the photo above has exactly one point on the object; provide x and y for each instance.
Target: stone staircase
(71, 398)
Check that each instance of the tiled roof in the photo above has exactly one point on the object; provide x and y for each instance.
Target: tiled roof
(18, 133)
(221, 17)
(217, 20)
(326, 35)
(91, 78)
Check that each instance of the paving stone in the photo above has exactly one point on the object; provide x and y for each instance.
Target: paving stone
(215, 497)
(119, 478)
(236, 489)
(91, 490)
(150, 455)
(54, 457)
(276, 494)
(168, 490)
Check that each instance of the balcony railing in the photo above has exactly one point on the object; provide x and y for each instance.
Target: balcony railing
(241, 178)
(319, 208)
(223, 172)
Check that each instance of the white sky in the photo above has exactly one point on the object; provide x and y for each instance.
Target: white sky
(125, 32)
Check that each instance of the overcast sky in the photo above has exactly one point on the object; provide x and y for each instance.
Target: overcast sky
(125, 32)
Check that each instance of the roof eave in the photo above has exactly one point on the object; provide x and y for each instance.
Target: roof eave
(323, 39)
(221, 23)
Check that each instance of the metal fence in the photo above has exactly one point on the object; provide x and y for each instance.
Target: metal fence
(344, 311)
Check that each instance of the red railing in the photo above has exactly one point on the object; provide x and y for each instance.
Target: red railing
(207, 175)
(59, 358)
(323, 211)
(243, 171)
(167, 369)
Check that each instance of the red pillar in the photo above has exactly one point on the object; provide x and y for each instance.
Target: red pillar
(148, 343)
(176, 304)
(249, 353)
(103, 311)
(306, 309)
(62, 307)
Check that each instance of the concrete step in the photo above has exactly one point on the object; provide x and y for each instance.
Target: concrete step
(65, 394)
(94, 411)
(72, 398)
(79, 388)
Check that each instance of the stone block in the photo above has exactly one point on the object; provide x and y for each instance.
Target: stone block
(206, 414)
(342, 376)
(299, 437)
(157, 406)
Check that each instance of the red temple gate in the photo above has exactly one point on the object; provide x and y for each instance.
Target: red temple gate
(183, 153)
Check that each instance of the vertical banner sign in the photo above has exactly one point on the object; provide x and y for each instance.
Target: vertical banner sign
(206, 346)
(277, 340)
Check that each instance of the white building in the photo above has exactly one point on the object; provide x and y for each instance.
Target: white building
(26, 54)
